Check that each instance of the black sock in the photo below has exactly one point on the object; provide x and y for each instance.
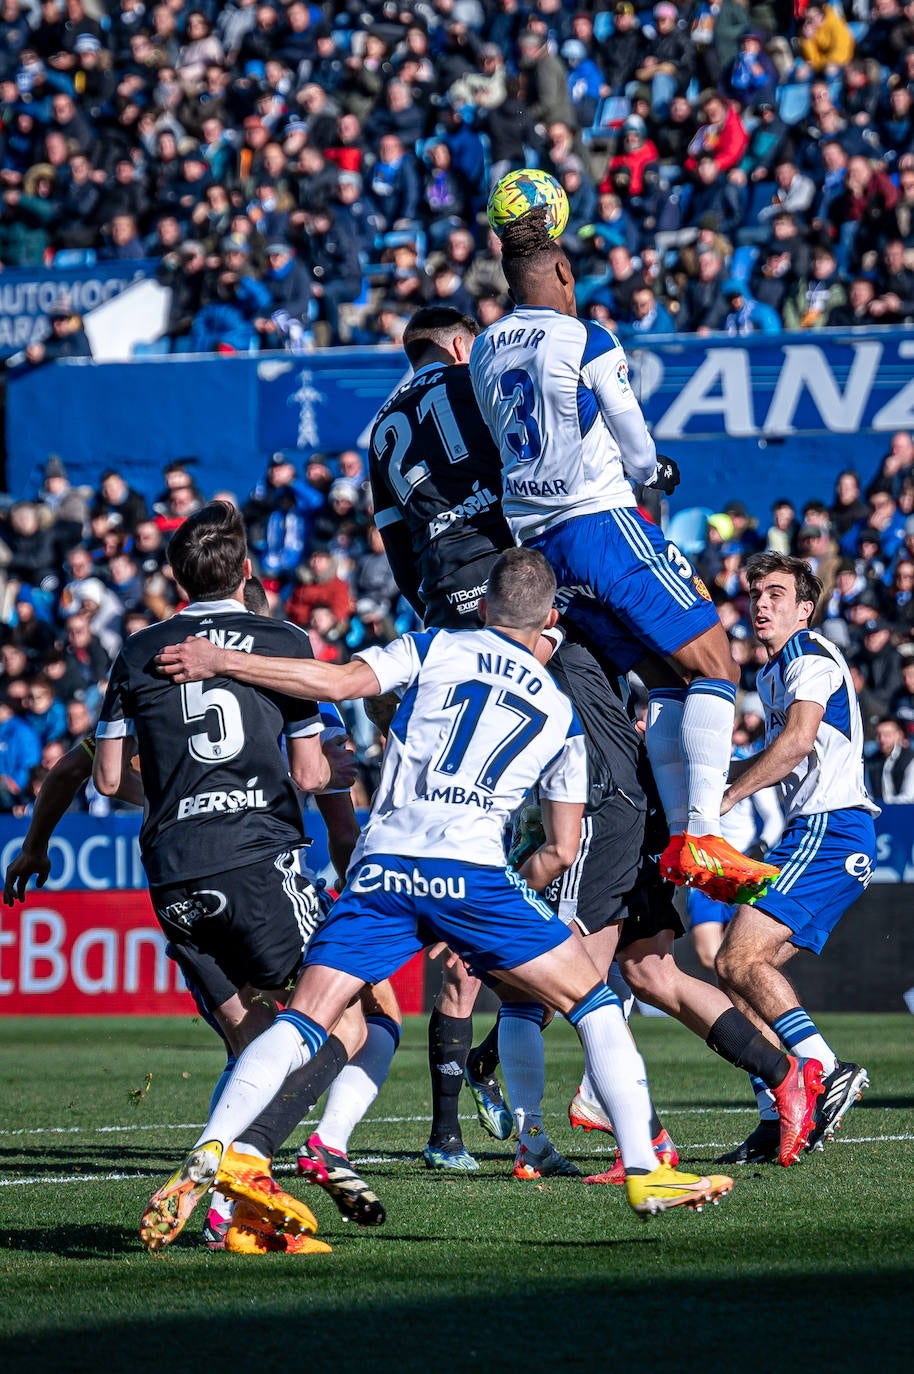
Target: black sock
(296, 1098)
(656, 1123)
(735, 1039)
(483, 1061)
(449, 1041)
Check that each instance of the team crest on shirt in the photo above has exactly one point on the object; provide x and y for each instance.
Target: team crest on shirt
(622, 376)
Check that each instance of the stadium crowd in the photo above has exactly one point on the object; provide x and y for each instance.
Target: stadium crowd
(307, 173)
(81, 569)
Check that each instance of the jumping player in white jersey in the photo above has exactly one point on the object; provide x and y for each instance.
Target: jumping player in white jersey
(479, 723)
(556, 395)
(814, 749)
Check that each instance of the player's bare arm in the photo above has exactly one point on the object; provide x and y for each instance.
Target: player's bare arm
(197, 659)
(774, 764)
(562, 825)
(56, 796)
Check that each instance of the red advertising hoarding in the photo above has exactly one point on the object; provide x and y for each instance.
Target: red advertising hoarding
(103, 954)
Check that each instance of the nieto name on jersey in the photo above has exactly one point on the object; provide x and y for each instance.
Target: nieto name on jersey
(499, 665)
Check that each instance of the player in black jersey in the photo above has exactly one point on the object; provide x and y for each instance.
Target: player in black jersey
(436, 490)
(435, 476)
(223, 832)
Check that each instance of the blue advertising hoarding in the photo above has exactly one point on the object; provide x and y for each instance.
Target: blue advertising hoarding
(27, 294)
(749, 418)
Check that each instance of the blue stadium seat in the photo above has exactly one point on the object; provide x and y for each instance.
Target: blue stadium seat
(793, 101)
(742, 262)
(688, 529)
(75, 257)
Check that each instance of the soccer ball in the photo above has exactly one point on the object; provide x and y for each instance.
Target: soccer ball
(519, 192)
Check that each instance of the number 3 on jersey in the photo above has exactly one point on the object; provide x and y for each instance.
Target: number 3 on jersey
(522, 435)
(220, 713)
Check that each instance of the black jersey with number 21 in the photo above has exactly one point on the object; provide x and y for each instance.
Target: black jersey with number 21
(218, 791)
(435, 467)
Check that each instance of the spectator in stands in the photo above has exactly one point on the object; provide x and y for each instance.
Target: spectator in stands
(751, 78)
(703, 309)
(668, 61)
(898, 463)
(333, 259)
(279, 516)
(20, 751)
(745, 315)
(67, 339)
(901, 707)
(396, 185)
(891, 771)
(810, 304)
(722, 134)
(883, 517)
(115, 496)
(848, 507)
(782, 532)
(894, 287)
(546, 77)
(324, 587)
(826, 43)
(648, 316)
(880, 661)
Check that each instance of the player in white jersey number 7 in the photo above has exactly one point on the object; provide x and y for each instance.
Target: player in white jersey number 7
(478, 724)
(555, 392)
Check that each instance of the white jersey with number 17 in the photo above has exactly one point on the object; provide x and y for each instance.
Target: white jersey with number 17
(480, 722)
(555, 392)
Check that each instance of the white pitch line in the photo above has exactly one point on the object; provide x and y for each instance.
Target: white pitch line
(360, 1160)
(313, 1120)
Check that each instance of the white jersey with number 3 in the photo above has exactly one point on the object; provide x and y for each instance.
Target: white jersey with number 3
(555, 392)
(480, 721)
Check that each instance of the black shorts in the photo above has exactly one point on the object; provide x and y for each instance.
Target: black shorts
(649, 907)
(248, 925)
(454, 605)
(592, 892)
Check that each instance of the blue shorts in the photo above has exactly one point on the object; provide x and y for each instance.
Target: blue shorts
(626, 585)
(826, 862)
(391, 908)
(702, 910)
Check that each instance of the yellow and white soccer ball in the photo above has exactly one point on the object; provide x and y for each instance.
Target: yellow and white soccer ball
(519, 192)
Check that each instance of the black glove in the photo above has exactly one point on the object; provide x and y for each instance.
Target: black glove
(667, 477)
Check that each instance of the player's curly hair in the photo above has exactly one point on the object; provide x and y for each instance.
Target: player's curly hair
(527, 235)
(527, 251)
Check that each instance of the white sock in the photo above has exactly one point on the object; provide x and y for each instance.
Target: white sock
(523, 1063)
(765, 1099)
(801, 1037)
(815, 1047)
(356, 1087)
(663, 739)
(617, 1071)
(619, 986)
(257, 1078)
(707, 731)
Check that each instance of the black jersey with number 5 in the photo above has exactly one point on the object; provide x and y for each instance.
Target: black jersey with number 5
(436, 484)
(218, 792)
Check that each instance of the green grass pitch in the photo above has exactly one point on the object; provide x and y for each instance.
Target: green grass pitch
(804, 1269)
